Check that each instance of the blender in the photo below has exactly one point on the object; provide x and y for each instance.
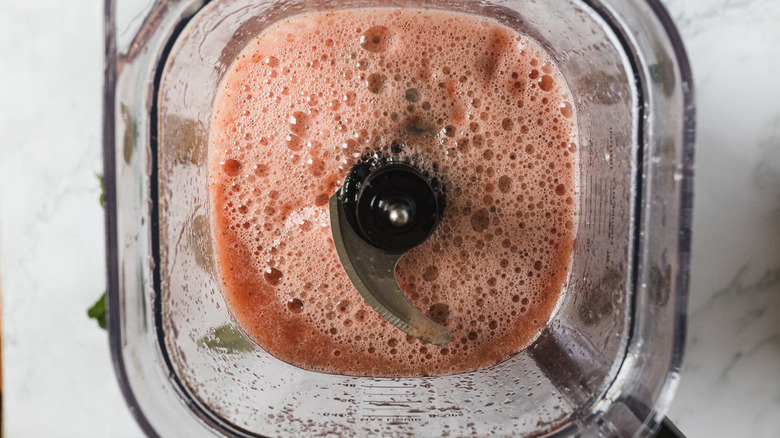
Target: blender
(605, 365)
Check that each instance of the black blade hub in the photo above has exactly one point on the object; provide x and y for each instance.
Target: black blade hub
(392, 205)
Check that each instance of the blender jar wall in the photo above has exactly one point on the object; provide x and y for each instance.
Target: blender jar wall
(180, 357)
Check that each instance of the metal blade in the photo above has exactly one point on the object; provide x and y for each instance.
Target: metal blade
(372, 271)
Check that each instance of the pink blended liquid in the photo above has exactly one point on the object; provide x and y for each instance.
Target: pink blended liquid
(470, 98)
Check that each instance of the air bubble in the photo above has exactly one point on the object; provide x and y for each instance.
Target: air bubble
(376, 83)
(349, 98)
(295, 305)
(505, 184)
(507, 124)
(261, 170)
(566, 110)
(546, 83)
(480, 220)
(376, 39)
(431, 273)
(231, 167)
(293, 142)
(412, 95)
(439, 312)
(272, 276)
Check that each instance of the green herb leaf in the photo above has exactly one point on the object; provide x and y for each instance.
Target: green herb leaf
(98, 311)
(226, 338)
(102, 190)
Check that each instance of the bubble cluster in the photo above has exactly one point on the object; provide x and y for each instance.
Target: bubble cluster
(477, 103)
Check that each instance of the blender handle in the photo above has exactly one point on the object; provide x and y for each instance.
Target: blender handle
(668, 430)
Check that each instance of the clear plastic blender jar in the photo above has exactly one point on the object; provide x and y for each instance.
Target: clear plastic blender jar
(606, 364)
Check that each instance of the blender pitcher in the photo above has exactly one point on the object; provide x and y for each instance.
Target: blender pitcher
(607, 362)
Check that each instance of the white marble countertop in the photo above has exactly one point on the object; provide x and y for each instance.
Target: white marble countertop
(58, 378)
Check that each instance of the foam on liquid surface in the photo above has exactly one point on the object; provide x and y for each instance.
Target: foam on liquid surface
(475, 102)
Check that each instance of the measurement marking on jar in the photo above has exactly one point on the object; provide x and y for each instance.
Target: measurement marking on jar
(393, 401)
(451, 414)
(388, 387)
(391, 418)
